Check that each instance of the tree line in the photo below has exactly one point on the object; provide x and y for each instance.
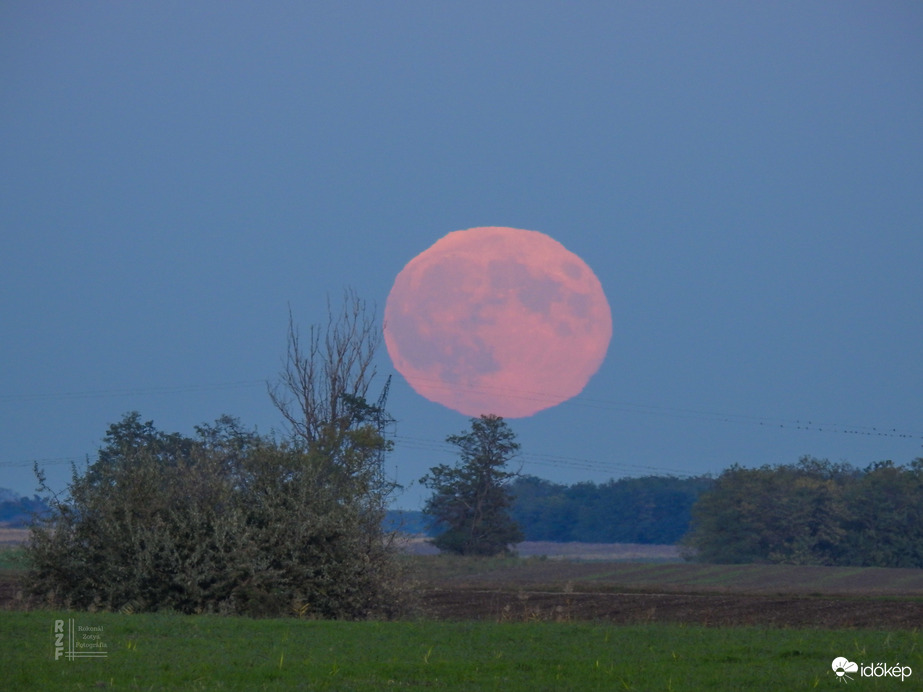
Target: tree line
(16, 511)
(649, 509)
(812, 512)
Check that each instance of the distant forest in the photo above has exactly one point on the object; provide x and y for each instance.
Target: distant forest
(650, 509)
(16, 511)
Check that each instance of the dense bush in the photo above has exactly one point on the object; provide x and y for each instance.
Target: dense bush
(225, 521)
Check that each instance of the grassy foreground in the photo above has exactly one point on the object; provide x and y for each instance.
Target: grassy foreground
(174, 652)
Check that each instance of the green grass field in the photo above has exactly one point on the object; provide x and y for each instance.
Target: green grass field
(174, 652)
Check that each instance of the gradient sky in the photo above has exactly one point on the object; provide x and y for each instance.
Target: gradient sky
(746, 180)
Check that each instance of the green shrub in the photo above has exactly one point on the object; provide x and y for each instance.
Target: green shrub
(225, 522)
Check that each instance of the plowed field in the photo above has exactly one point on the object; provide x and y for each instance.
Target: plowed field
(704, 609)
(627, 592)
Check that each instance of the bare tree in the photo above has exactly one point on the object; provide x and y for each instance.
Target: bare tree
(321, 392)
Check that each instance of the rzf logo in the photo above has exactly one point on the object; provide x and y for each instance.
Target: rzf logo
(58, 639)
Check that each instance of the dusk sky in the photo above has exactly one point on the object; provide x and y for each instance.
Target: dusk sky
(745, 179)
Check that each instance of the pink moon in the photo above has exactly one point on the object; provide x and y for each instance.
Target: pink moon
(496, 320)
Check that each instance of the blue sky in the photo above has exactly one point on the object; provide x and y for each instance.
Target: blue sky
(745, 180)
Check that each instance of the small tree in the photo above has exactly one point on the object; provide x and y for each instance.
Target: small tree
(472, 499)
(321, 393)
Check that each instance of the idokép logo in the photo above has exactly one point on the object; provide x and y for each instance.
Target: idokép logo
(843, 666)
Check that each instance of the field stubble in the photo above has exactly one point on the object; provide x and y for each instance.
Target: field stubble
(658, 591)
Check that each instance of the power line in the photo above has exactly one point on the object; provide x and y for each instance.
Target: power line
(677, 412)
(52, 461)
(531, 395)
(541, 459)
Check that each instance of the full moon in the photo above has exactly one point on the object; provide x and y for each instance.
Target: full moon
(497, 321)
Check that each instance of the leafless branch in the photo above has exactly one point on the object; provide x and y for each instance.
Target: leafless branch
(328, 371)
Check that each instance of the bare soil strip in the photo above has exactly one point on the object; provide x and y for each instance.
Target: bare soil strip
(673, 592)
(700, 609)
(419, 545)
(802, 580)
(12, 537)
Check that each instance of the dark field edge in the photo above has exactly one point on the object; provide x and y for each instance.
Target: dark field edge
(554, 575)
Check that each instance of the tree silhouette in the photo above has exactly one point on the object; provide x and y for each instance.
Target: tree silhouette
(471, 500)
